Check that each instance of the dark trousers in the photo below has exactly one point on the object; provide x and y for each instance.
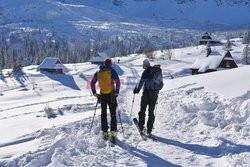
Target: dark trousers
(107, 99)
(148, 99)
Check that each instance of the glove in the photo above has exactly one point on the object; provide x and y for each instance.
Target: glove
(115, 95)
(136, 90)
(97, 95)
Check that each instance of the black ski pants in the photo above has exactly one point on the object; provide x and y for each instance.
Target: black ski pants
(148, 99)
(108, 99)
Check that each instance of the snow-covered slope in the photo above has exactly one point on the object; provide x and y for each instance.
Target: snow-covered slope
(172, 9)
(201, 120)
(74, 16)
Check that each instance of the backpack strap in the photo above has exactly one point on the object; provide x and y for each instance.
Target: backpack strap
(157, 66)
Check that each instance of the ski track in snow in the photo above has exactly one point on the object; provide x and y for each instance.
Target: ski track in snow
(45, 102)
(73, 145)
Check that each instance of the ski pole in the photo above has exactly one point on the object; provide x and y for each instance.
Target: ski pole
(94, 114)
(132, 105)
(120, 120)
(171, 76)
(156, 107)
(157, 101)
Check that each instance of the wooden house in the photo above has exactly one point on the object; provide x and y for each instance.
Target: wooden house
(206, 38)
(228, 61)
(52, 65)
(99, 58)
(208, 63)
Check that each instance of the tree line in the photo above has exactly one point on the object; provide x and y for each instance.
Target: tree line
(18, 50)
(23, 49)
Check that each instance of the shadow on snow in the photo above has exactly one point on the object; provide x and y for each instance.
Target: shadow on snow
(225, 148)
(149, 158)
(21, 78)
(2, 77)
(66, 80)
(118, 69)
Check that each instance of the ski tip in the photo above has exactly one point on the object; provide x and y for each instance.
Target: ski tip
(112, 142)
(135, 120)
(112, 145)
(152, 138)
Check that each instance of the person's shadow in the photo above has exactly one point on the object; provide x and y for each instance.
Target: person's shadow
(150, 159)
(66, 80)
(226, 147)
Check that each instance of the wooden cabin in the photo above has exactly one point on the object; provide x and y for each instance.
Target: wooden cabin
(206, 38)
(228, 61)
(99, 58)
(212, 62)
(52, 65)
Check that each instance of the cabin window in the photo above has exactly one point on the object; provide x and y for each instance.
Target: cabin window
(228, 64)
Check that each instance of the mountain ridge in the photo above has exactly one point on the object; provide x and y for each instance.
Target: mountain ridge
(224, 11)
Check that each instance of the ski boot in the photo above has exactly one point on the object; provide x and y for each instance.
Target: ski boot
(113, 137)
(105, 135)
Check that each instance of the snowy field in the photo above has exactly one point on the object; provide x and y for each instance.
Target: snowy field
(201, 120)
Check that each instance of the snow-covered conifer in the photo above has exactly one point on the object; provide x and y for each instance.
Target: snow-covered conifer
(246, 55)
(228, 45)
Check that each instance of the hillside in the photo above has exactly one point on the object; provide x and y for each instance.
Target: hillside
(201, 120)
(68, 17)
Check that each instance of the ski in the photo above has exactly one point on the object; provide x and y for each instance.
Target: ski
(112, 141)
(105, 138)
(152, 137)
(143, 136)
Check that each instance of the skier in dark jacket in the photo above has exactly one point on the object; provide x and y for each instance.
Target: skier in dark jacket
(149, 97)
(106, 78)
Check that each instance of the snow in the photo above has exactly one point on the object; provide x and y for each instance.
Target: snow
(228, 58)
(211, 62)
(207, 40)
(229, 84)
(84, 17)
(201, 120)
(204, 62)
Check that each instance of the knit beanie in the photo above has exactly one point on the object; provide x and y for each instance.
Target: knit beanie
(108, 62)
(146, 63)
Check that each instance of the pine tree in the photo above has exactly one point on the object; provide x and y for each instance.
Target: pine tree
(17, 67)
(246, 37)
(228, 45)
(246, 55)
(2, 64)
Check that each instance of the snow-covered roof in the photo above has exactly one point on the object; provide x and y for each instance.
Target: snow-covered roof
(100, 57)
(52, 63)
(203, 63)
(206, 36)
(228, 58)
(208, 40)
